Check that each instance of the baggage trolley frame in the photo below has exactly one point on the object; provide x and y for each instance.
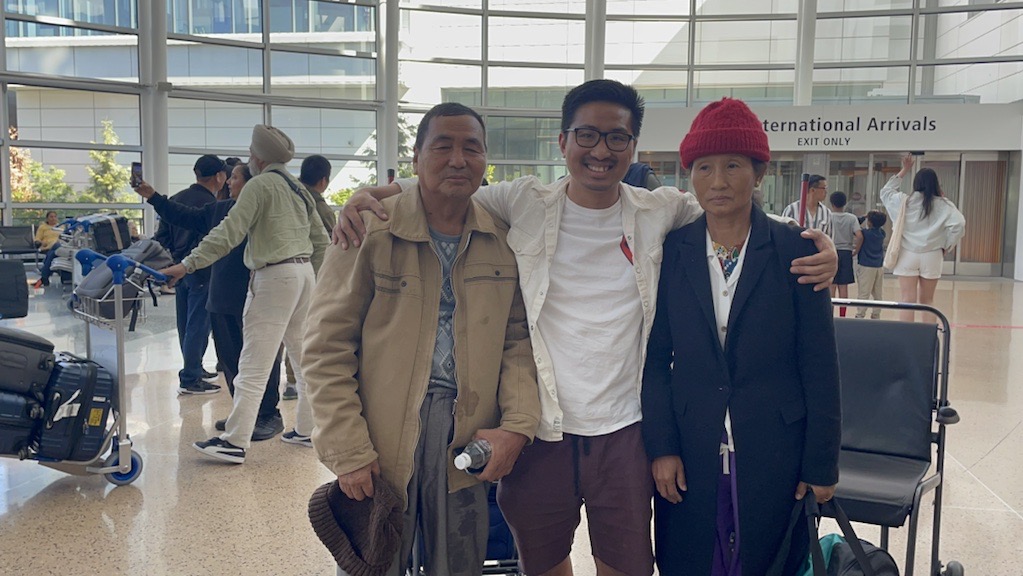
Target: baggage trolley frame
(104, 341)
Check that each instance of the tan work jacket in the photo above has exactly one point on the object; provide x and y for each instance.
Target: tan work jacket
(372, 327)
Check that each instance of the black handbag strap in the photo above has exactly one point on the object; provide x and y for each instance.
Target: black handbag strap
(808, 509)
(850, 536)
(293, 187)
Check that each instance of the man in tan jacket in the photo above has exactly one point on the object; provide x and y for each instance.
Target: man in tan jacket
(418, 343)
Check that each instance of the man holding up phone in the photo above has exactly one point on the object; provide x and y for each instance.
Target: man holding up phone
(192, 291)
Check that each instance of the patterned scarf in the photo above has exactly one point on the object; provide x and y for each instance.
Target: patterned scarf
(728, 257)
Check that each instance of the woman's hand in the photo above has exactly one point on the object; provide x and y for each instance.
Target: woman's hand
(907, 165)
(669, 477)
(822, 493)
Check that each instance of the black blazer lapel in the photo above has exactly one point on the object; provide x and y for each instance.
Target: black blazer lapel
(693, 251)
(758, 254)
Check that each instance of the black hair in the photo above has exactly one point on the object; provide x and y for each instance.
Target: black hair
(926, 183)
(54, 212)
(314, 168)
(838, 199)
(816, 179)
(759, 167)
(610, 91)
(447, 109)
(876, 218)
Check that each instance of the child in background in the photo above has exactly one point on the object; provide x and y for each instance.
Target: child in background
(869, 258)
(845, 231)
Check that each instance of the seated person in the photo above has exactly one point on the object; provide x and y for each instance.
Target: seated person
(47, 240)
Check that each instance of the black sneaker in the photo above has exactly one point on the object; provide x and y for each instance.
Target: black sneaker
(220, 425)
(267, 427)
(221, 450)
(199, 387)
(290, 392)
(209, 375)
(292, 437)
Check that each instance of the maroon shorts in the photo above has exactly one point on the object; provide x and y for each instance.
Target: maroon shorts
(542, 496)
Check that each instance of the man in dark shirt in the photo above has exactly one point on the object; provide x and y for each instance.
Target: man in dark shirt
(192, 291)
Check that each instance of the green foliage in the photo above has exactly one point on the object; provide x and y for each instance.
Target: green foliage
(340, 197)
(47, 184)
(108, 178)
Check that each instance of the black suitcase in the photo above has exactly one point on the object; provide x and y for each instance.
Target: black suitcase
(78, 402)
(109, 232)
(26, 361)
(13, 289)
(19, 422)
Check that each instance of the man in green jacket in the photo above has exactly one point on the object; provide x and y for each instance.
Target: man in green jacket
(286, 245)
(418, 343)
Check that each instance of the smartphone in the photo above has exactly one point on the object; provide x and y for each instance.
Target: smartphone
(916, 153)
(136, 174)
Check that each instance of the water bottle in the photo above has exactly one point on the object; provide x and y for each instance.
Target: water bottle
(474, 456)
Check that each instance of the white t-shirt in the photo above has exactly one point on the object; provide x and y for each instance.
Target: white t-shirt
(592, 321)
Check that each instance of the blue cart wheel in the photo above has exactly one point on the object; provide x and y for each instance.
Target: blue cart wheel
(954, 569)
(123, 479)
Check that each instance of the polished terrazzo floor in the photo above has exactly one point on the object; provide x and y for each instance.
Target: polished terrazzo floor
(189, 516)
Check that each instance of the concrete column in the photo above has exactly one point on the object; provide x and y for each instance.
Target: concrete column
(596, 32)
(806, 32)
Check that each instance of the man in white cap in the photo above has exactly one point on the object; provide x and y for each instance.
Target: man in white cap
(286, 245)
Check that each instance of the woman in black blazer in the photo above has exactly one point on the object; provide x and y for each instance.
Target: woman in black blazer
(741, 396)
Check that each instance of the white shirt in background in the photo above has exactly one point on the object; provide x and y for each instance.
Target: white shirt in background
(941, 230)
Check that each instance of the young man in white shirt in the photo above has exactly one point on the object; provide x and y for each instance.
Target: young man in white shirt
(589, 252)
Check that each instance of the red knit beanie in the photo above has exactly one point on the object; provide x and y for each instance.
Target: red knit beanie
(725, 127)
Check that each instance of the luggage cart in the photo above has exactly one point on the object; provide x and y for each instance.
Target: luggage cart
(105, 340)
(895, 372)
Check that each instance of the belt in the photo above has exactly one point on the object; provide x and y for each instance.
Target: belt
(295, 260)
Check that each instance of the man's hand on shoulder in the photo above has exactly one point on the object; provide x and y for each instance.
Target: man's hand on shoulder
(505, 449)
(818, 269)
(350, 229)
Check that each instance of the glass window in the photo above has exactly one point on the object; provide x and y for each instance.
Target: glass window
(427, 35)
(716, 7)
(547, 173)
(854, 5)
(530, 87)
(108, 56)
(992, 83)
(742, 42)
(648, 7)
(327, 130)
(210, 17)
(442, 3)
(74, 115)
(556, 6)
(860, 39)
(755, 87)
(213, 67)
(108, 12)
(429, 84)
(861, 85)
(59, 176)
(323, 76)
(639, 43)
(971, 34)
(208, 124)
(655, 86)
(536, 40)
(510, 138)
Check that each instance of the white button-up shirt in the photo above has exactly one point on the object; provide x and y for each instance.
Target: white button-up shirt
(723, 292)
(533, 211)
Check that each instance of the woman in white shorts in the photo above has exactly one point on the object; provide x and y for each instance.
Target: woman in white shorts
(933, 225)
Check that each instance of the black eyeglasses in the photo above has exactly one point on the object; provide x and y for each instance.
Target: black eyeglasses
(589, 138)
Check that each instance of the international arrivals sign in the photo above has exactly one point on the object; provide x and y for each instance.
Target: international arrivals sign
(872, 128)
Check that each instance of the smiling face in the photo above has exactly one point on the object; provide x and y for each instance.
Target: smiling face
(453, 157)
(724, 185)
(51, 218)
(597, 172)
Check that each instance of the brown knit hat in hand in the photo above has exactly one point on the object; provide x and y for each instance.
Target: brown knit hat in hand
(362, 536)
